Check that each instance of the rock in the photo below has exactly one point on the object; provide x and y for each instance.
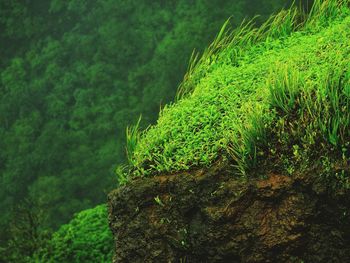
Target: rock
(211, 216)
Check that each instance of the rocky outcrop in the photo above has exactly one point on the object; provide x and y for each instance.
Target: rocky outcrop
(212, 216)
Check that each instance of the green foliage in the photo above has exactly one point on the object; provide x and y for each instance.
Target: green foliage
(244, 146)
(317, 127)
(237, 41)
(253, 83)
(122, 173)
(86, 238)
(27, 233)
(132, 138)
(284, 86)
(75, 74)
(324, 11)
(327, 105)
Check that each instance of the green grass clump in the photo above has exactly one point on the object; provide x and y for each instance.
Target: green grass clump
(255, 92)
(86, 238)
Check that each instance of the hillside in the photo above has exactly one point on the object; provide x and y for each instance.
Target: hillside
(73, 75)
(251, 162)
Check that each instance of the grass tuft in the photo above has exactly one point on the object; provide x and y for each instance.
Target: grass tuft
(284, 85)
(132, 138)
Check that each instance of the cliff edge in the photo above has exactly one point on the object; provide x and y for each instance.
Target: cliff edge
(251, 164)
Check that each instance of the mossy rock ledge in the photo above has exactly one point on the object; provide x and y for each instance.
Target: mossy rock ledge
(251, 164)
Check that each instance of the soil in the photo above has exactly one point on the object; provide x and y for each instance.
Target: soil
(209, 215)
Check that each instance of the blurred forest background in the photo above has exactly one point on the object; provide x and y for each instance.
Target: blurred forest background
(74, 74)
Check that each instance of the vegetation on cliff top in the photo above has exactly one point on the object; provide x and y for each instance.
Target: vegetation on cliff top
(281, 91)
(277, 92)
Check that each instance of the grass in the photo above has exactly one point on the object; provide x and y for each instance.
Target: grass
(284, 86)
(239, 40)
(280, 91)
(132, 138)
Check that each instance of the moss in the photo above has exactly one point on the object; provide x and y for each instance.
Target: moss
(280, 91)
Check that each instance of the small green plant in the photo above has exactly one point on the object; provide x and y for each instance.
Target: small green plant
(158, 201)
(323, 11)
(221, 40)
(132, 138)
(122, 174)
(284, 86)
(244, 147)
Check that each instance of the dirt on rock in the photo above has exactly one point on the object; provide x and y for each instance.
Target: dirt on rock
(212, 216)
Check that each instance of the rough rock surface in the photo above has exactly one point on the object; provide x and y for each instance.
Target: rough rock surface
(211, 216)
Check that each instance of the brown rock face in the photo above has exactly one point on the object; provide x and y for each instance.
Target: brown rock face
(211, 216)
